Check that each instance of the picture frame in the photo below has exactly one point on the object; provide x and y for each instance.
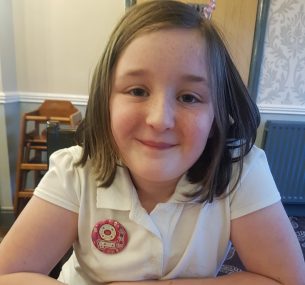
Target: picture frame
(258, 47)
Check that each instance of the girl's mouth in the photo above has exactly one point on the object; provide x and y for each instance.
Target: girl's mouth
(157, 144)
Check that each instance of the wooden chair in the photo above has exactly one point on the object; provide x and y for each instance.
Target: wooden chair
(32, 156)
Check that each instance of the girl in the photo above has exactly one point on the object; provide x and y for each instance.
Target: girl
(165, 176)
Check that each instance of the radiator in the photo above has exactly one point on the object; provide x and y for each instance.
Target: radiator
(284, 144)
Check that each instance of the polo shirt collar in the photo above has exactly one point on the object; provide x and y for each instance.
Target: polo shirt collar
(122, 195)
(184, 187)
(119, 195)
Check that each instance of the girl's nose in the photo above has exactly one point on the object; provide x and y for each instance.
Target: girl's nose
(160, 113)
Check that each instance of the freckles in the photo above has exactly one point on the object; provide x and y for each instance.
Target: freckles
(124, 121)
(199, 123)
(117, 110)
(200, 129)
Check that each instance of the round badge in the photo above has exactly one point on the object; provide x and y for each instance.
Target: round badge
(109, 236)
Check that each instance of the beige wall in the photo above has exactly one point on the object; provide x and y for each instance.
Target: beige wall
(59, 42)
(1, 85)
(7, 50)
(7, 83)
(48, 49)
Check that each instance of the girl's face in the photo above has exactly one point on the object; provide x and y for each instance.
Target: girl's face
(160, 107)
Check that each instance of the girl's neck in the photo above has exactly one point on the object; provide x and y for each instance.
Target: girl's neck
(151, 193)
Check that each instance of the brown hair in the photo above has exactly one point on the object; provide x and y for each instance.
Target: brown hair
(236, 116)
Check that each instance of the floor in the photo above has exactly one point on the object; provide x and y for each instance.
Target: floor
(6, 220)
(3, 232)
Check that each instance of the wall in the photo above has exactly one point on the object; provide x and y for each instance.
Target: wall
(283, 74)
(59, 42)
(48, 50)
(281, 92)
(9, 111)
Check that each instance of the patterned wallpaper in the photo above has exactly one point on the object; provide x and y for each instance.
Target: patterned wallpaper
(282, 78)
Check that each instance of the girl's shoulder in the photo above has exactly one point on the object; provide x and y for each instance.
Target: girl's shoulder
(74, 152)
(67, 159)
(256, 188)
(255, 157)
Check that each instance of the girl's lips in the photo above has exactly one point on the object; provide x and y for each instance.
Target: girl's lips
(157, 145)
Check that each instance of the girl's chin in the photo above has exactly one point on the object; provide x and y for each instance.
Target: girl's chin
(157, 176)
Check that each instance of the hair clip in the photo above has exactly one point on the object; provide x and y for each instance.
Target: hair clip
(208, 9)
(205, 10)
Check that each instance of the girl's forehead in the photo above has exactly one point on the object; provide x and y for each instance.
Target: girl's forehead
(171, 53)
(182, 33)
(181, 42)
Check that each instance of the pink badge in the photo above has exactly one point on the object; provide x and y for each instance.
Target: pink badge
(109, 236)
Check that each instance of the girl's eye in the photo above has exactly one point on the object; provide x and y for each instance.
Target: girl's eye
(188, 98)
(138, 92)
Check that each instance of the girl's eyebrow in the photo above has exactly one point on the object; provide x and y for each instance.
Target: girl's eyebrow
(134, 73)
(194, 78)
(184, 77)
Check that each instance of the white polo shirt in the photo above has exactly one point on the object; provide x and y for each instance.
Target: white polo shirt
(178, 239)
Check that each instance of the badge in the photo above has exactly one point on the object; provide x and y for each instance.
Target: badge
(109, 236)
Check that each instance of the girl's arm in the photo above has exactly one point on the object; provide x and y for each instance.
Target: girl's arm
(240, 278)
(267, 246)
(41, 235)
(27, 278)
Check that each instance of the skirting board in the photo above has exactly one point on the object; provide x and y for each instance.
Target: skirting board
(281, 109)
(35, 97)
(8, 97)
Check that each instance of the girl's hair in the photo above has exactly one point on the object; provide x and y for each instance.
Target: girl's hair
(236, 115)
